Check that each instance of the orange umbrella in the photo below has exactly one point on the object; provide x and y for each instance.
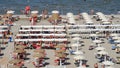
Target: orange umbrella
(59, 46)
(39, 50)
(14, 66)
(61, 55)
(15, 61)
(40, 55)
(20, 47)
(19, 51)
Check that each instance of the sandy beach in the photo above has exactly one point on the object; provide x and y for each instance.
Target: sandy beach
(88, 54)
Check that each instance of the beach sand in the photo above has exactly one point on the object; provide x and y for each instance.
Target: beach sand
(89, 54)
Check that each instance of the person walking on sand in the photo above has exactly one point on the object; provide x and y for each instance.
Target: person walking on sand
(92, 12)
(95, 65)
(27, 10)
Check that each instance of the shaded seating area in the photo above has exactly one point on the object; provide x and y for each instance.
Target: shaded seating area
(87, 18)
(103, 18)
(42, 36)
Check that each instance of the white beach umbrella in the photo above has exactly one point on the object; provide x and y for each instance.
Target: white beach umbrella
(97, 41)
(93, 35)
(69, 15)
(79, 57)
(114, 35)
(76, 38)
(106, 23)
(34, 12)
(117, 41)
(78, 52)
(118, 45)
(71, 21)
(81, 67)
(55, 11)
(109, 67)
(108, 63)
(102, 52)
(1, 35)
(10, 11)
(75, 45)
(75, 35)
(115, 38)
(100, 48)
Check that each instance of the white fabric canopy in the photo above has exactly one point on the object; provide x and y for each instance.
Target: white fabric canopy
(97, 41)
(43, 26)
(75, 45)
(1, 35)
(78, 52)
(100, 48)
(102, 52)
(102, 16)
(10, 11)
(108, 63)
(55, 11)
(93, 35)
(61, 39)
(3, 26)
(87, 18)
(71, 20)
(34, 12)
(109, 67)
(79, 57)
(70, 15)
(41, 34)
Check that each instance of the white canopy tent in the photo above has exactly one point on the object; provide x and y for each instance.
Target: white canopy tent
(87, 18)
(102, 16)
(70, 15)
(25, 40)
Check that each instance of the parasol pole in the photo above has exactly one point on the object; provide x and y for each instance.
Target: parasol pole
(80, 64)
(60, 62)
